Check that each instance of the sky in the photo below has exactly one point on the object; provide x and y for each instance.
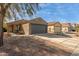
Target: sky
(62, 12)
(57, 12)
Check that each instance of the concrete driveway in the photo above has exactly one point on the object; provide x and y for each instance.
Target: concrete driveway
(69, 41)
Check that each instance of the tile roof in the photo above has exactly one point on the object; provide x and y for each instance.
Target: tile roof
(38, 20)
(53, 23)
(63, 24)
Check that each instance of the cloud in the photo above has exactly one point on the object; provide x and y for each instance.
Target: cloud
(44, 4)
(59, 12)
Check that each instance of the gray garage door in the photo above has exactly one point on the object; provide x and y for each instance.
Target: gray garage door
(36, 29)
(57, 30)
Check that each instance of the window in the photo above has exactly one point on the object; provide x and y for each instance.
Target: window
(18, 28)
(50, 29)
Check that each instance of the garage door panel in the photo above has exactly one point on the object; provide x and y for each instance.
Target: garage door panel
(57, 29)
(38, 28)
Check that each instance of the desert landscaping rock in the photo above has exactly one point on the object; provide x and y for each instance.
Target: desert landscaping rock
(35, 45)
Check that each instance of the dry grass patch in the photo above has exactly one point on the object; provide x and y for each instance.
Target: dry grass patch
(30, 46)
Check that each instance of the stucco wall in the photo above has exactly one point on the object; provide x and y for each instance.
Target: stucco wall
(65, 29)
(54, 29)
(50, 29)
(26, 28)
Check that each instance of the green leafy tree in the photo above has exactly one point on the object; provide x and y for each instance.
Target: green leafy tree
(77, 28)
(7, 10)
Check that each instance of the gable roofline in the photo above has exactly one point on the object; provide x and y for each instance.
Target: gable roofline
(52, 23)
(63, 24)
(18, 22)
(38, 20)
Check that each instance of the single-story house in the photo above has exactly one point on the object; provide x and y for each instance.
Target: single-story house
(58, 27)
(77, 29)
(54, 27)
(65, 27)
(72, 27)
(34, 26)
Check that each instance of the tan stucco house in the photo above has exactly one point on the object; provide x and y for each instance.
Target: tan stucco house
(54, 27)
(65, 27)
(34, 26)
(57, 27)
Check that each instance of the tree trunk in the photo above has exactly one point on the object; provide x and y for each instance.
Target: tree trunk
(2, 15)
(1, 30)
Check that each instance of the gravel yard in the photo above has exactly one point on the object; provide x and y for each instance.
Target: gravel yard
(35, 45)
(30, 46)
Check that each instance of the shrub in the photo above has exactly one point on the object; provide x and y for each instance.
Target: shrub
(4, 30)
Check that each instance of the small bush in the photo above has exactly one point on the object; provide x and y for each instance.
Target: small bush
(4, 30)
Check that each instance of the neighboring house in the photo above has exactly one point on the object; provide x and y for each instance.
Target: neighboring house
(34, 26)
(72, 27)
(54, 27)
(65, 27)
(77, 29)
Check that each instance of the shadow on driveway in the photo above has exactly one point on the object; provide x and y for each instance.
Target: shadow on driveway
(31, 46)
(49, 35)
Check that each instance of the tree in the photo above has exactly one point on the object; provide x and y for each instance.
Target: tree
(77, 28)
(7, 8)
